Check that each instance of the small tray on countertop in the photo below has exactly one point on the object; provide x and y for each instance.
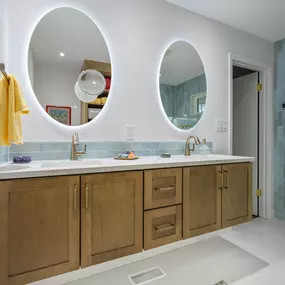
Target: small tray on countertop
(122, 158)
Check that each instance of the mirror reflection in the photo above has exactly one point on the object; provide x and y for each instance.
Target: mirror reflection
(90, 84)
(69, 66)
(183, 87)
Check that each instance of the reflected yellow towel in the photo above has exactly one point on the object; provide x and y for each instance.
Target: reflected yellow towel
(12, 105)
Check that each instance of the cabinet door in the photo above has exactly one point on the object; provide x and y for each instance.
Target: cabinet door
(111, 216)
(39, 222)
(201, 200)
(162, 188)
(237, 194)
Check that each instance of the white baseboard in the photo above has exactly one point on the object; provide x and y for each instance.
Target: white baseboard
(87, 272)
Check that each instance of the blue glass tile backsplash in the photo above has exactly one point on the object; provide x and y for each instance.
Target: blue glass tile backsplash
(3, 154)
(61, 150)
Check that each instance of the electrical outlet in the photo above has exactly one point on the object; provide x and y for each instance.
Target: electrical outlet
(130, 132)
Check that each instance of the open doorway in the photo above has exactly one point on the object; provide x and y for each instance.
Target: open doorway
(265, 149)
(246, 122)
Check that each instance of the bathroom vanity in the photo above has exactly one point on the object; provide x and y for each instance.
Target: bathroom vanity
(58, 216)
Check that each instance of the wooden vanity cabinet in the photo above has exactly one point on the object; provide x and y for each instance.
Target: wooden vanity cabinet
(236, 194)
(216, 197)
(40, 234)
(39, 222)
(111, 216)
(202, 187)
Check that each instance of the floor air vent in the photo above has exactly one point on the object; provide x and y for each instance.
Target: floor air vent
(146, 276)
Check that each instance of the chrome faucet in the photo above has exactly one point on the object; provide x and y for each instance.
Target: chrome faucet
(187, 145)
(74, 153)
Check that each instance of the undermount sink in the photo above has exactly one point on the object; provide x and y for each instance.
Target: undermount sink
(201, 156)
(13, 167)
(91, 162)
(70, 164)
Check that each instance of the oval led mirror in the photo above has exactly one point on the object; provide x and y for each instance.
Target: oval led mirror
(90, 84)
(183, 88)
(69, 66)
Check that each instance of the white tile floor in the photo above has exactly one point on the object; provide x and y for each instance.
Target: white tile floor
(250, 254)
(264, 239)
(203, 263)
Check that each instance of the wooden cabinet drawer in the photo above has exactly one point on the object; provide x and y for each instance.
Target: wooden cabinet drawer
(162, 188)
(162, 226)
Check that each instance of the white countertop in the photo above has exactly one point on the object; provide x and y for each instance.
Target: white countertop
(88, 166)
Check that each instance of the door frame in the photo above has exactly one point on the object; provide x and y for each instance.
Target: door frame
(266, 135)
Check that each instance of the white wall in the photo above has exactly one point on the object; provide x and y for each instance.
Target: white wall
(54, 85)
(31, 67)
(3, 33)
(137, 33)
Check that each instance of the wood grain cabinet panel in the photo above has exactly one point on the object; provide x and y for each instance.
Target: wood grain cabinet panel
(237, 194)
(39, 221)
(162, 226)
(111, 216)
(162, 188)
(201, 200)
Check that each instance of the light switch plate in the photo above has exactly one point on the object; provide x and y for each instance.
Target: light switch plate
(221, 126)
(225, 126)
(130, 132)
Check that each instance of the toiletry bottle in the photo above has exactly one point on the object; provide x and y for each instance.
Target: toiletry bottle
(204, 150)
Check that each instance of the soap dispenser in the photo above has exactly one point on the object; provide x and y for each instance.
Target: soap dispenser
(204, 149)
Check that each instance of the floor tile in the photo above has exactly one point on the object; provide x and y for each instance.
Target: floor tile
(203, 263)
(263, 238)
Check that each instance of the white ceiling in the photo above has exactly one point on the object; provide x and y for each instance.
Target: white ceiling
(263, 18)
(70, 31)
(180, 64)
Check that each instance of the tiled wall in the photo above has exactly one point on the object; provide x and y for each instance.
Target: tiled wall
(279, 189)
(3, 154)
(61, 150)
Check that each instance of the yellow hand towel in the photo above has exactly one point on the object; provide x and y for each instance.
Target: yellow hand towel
(12, 105)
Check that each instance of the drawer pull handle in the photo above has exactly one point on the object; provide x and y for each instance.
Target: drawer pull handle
(226, 186)
(165, 227)
(171, 188)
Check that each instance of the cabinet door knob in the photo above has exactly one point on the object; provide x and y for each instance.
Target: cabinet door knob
(86, 196)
